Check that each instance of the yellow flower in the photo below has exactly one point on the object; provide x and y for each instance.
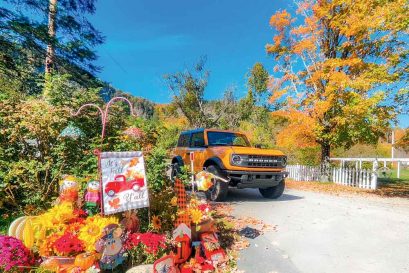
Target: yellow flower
(174, 201)
(92, 230)
(196, 216)
(156, 222)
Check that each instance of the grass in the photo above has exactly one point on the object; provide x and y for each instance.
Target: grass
(394, 186)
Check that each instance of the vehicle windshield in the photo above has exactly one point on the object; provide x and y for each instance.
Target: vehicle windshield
(226, 139)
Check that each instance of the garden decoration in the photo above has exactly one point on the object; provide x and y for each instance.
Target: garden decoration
(130, 222)
(71, 131)
(104, 113)
(92, 198)
(110, 246)
(165, 265)
(124, 181)
(212, 248)
(204, 180)
(68, 189)
(182, 217)
(182, 236)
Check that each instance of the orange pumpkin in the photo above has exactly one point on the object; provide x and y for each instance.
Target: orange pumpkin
(85, 260)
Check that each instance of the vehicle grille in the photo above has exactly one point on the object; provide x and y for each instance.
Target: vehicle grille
(263, 161)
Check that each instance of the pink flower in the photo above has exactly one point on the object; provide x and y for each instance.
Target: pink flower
(13, 254)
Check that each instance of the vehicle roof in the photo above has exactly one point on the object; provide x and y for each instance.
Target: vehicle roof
(200, 130)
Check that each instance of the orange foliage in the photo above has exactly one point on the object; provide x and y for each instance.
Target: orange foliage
(299, 132)
(280, 20)
(307, 44)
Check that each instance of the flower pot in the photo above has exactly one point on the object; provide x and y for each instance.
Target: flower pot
(57, 263)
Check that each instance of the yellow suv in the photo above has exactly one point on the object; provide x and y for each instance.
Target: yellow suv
(229, 155)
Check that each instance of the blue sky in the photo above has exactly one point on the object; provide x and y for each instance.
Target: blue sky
(147, 39)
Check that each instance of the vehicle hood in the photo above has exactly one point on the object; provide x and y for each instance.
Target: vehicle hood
(255, 151)
(248, 150)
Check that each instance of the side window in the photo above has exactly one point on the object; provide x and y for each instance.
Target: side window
(183, 140)
(197, 140)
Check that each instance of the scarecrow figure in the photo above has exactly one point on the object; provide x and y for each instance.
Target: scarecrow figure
(68, 190)
(92, 198)
(110, 246)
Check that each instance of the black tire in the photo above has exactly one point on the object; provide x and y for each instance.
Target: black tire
(273, 192)
(175, 171)
(218, 192)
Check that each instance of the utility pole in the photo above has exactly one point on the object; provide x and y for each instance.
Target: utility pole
(393, 143)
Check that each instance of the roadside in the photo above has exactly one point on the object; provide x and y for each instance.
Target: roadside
(386, 188)
(316, 232)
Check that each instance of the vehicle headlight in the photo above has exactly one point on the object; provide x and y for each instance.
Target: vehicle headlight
(236, 159)
(284, 161)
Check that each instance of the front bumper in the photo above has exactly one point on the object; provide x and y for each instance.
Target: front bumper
(246, 179)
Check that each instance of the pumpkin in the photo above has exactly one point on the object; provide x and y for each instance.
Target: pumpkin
(85, 260)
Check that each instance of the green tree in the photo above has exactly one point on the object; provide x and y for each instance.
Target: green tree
(257, 84)
(66, 42)
(188, 89)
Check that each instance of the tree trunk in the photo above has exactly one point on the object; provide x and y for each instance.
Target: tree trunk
(49, 58)
(325, 151)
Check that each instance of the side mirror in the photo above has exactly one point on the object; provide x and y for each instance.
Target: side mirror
(258, 146)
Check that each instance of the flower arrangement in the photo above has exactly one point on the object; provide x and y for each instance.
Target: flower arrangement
(65, 231)
(13, 254)
(92, 230)
(198, 210)
(145, 247)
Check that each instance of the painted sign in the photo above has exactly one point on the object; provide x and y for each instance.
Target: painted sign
(124, 184)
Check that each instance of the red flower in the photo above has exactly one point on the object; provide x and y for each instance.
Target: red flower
(204, 207)
(151, 241)
(68, 245)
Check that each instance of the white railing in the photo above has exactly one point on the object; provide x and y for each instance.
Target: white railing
(361, 178)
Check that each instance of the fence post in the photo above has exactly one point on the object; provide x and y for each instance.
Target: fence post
(398, 171)
(374, 176)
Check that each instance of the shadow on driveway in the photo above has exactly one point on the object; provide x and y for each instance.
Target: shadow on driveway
(242, 195)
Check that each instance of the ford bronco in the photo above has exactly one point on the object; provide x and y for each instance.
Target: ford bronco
(229, 155)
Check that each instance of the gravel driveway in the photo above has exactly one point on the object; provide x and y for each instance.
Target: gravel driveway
(325, 233)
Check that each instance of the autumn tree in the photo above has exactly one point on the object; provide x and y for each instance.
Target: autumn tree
(338, 67)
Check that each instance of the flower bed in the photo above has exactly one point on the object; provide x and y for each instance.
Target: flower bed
(178, 233)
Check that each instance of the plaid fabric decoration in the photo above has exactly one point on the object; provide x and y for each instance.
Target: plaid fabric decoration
(182, 203)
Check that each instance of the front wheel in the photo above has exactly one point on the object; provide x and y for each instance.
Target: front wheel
(273, 192)
(217, 192)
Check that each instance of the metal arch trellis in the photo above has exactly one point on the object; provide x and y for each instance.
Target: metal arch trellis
(104, 112)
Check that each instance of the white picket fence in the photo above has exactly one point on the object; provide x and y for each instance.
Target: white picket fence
(303, 173)
(361, 178)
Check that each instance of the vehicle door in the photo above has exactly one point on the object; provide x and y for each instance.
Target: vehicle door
(197, 146)
(182, 148)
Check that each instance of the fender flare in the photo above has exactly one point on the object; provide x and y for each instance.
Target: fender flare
(178, 159)
(214, 160)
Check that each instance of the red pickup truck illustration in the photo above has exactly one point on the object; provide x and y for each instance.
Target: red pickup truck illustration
(120, 184)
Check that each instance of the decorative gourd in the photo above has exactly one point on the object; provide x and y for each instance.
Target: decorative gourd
(28, 234)
(85, 260)
(13, 226)
(20, 229)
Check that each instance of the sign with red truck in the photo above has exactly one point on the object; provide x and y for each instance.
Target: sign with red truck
(124, 184)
